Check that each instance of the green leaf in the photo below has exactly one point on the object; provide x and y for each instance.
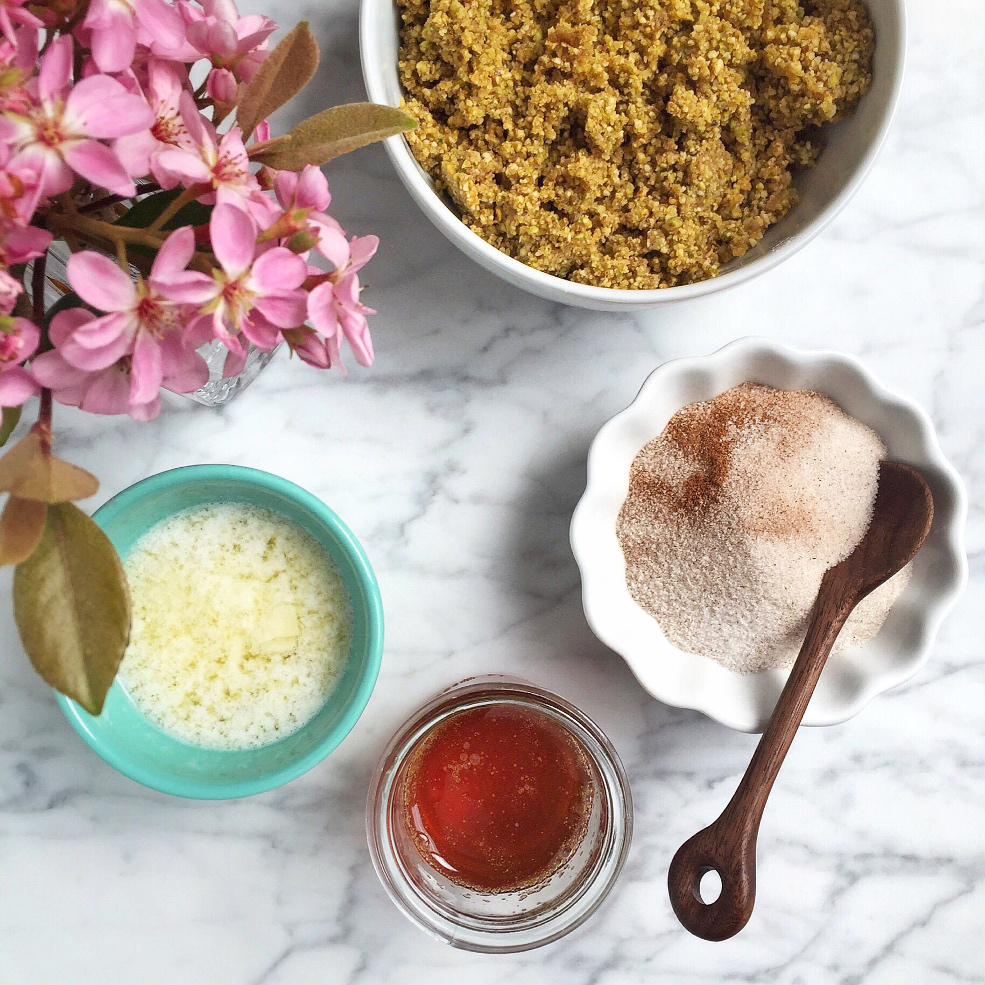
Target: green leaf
(31, 473)
(281, 76)
(332, 132)
(72, 607)
(11, 418)
(149, 208)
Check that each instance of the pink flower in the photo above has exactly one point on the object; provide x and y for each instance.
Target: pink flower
(335, 310)
(141, 323)
(218, 163)
(221, 86)
(12, 12)
(104, 391)
(10, 289)
(113, 26)
(18, 59)
(19, 337)
(138, 151)
(229, 40)
(61, 130)
(20, 191)
(256, 296)
(23, 244)
(307, 190)
(310, 346)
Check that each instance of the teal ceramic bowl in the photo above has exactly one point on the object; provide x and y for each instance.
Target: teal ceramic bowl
(145, 753)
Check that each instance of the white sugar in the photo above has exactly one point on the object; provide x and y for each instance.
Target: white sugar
(241, 626)
(737, 509)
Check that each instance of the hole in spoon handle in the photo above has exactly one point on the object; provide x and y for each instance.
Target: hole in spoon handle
(725, 847)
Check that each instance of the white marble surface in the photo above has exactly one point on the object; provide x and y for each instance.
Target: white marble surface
(457, 460)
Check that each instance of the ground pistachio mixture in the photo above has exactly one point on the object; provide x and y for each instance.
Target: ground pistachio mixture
(627, 143)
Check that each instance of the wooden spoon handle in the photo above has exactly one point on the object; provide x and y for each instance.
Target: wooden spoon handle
(728, 845)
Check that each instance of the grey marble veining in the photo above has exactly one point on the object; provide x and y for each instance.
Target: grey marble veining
(457, 461)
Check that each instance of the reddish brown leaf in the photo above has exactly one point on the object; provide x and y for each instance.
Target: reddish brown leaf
(21, 525)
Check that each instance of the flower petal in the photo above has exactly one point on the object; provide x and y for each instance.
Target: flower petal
(26, 243)
(260, 332)
(67, 382)
(286, 310)
(56, 68)
(234, 238)
(332, 244)
(312, 189)
(100, 282)
(161, 20)
(188, 286)
(322, 309)
(184, 369)
(180, 167)
(145, 412)
(277, 270)
(146, 373)
(235, 361)
(356, 330)
(65, 323)
(201, 131)
(54, 175)
(213, 37)
(135, 152)
(30, 336)
(105, 330)
(310, 346)
(108, 393)
(97, 163)
(361, 251)
(100, 107)
(174, 254)
(114, 40)
(93, 358)
(16, 386)
(198, 332)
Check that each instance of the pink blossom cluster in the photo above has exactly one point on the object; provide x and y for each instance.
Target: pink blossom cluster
(106, 106)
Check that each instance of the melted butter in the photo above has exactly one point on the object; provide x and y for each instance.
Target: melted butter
(241, 626)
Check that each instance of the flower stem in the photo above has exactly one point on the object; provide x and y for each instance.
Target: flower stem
(37, 288)
(43, 426)
(37, 299)
(107, 234)
(188, 195)
(121, 257)
(107, 200)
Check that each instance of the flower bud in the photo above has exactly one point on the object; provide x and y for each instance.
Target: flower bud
(221, 86)
(309, 346)
(302, 241)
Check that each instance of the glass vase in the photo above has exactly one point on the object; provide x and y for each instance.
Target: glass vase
(220, 389)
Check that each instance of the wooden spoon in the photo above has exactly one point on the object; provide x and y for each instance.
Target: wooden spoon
(901, 519)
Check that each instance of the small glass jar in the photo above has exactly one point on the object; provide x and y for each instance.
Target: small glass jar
(508, 921)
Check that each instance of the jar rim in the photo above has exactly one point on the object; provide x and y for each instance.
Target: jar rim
(522, 932)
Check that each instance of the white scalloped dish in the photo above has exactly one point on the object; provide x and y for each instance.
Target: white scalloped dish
(852, 677)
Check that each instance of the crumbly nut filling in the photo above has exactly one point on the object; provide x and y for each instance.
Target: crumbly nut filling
(627, 143)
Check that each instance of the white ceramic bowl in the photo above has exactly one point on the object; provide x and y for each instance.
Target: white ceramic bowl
(852, 146)
(852, 677)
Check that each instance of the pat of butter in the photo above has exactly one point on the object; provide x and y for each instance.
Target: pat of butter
(279, 630)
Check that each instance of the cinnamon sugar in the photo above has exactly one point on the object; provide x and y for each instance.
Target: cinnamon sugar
(734, 513)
